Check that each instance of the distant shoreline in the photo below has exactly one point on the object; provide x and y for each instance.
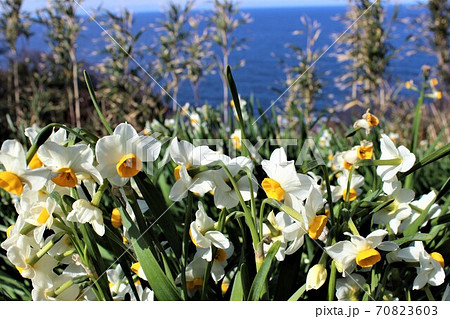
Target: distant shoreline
(203, 9)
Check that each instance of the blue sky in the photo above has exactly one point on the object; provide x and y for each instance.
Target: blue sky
(157, 5)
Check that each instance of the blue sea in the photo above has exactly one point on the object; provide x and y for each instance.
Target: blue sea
(268, 33)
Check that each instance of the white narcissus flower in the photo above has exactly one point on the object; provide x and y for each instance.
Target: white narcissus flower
(224, 193)
(13, 233)
(325, 138)
(60, 137)
(204, 235)
(359, 251)
(70, 164)
(45, 290)
(16, 177)
(391, 185)
(431, 269)
(46, 287)
(275, 233)
(397, 211)
(22, 251)
(367, 122)
(283, 183)
(350, 157)
(312, 224)
(137, 269)
(349, 289)
(143, 294)
(316, 277)
(388, 152)
(121, 156)
(195, 272)
(117, 283)
(340, 191)
(39, 214)
(434, 211)
(337, 162)
(84, 212)
(187, 157)
(236, 138)
(220, 260)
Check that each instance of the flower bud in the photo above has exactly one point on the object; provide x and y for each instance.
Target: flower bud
(316, 277)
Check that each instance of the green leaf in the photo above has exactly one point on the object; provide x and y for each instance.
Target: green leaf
(237, 105)
(436, 155)
(261, 276)
(163, 288)
(90, 87)
(237, 293)
(157, 207)
(420, 237)
(381, 206)
(414, 227)
(352, 132)
(444, 189)
(298, 294)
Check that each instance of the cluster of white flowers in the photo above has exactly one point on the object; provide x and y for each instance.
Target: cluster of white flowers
(35, 244)
(62, 170)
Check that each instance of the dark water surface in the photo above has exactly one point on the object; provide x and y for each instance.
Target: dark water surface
(269, 32)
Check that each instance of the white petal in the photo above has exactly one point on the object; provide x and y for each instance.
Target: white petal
(217, 272)
(437, 276)
(376, 237)
(126, 133)
(387, 172)
(408, 158)
(200, 240)
(147, 148)
(13, 149)
(225, 199)
(342, 252)
(99, 228)
(218, 239)
(179, 190)
(388, 246)
(420, 281)
(409, 254)
(181, 152)
(295, 245)
(278, 156)
(36, 178)
(203, 155)
(404, 195)
(109, 150)
(387, 147)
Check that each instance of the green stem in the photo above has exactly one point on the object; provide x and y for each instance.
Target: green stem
(98, 195)
(63, 288)
(417, 119)
(94, 101)
(332, 282)
(185, 251)
(329, 195)
(352, 227)
(416, 130)
(247, 214)
(220, 228)
(429, 294)
(261, 217)
(252, 196)
(27, 229)
(33, 260)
